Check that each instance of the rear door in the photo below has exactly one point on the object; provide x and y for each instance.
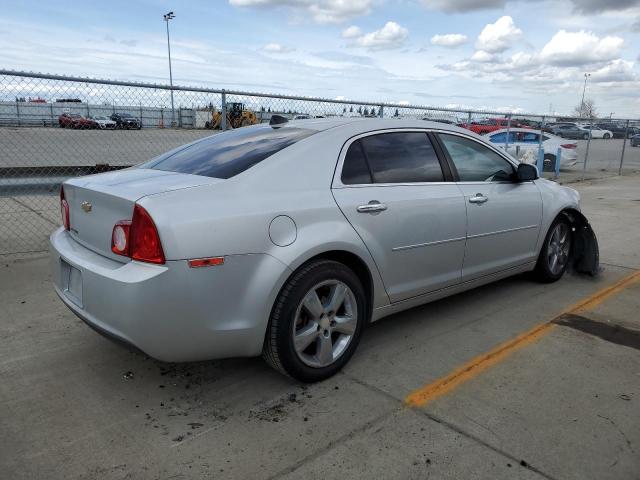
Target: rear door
(392, 188)
(503, 215)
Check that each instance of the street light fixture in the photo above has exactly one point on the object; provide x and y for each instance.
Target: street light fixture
(584, 89)
(167, 17)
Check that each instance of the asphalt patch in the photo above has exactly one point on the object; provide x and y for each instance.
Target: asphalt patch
(610, 333)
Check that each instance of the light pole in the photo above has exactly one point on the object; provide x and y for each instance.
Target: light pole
(584, 89)
(167, 17)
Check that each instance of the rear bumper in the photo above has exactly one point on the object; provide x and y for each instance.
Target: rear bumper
(171, 312)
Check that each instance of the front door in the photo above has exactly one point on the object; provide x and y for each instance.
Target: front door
(392, 190)
(503, 216)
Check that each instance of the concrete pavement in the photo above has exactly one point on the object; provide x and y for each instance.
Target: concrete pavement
(74, 405)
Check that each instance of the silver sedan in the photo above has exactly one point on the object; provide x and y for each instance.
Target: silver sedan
(287, 239)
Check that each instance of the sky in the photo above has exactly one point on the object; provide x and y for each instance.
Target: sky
(521, 55)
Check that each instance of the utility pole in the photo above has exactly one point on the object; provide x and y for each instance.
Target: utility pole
(584, 89)
(167, 17)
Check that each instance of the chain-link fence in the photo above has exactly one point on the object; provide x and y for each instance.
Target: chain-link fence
(55, 127)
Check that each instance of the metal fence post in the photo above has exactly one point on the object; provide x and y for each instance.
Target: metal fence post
(506, 144)
(586, 154)
(223, 126)
(558, 161)
(51, 110)
(540, 149)
(381, 112)
(624, 145)
(18, 112)
(469, 119)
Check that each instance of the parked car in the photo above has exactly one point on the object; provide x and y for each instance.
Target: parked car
(126, 120)
(635, 141)
(619, 130)
(74, 120)
(105, 123)
(286, 240)
(486, 126)
(302, 117)
(596, 132)
(523, 144)
(570, 131)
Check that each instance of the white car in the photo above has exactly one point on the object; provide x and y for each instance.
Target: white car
(104, 123)
(597, 132)
(523, 145)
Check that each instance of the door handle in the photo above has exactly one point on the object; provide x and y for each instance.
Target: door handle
(479, 198)
(372, 207)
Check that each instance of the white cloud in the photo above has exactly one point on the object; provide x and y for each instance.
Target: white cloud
(616, 71)
(450, 40)
(277, 48)
(484, 57)
(390, 36)
(322, 11)
(351, 32)
(580, 48)
(499, 36)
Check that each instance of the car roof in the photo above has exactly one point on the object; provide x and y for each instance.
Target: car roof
(369, 124)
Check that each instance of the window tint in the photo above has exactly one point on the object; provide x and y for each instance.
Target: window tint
(355, 169)
(402, 157)
(529, 137)
(228, 154)
(475, 162)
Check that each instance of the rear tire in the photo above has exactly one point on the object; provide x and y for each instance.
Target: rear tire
(585, 136)
(549, 163)
(556, 250)
(316, 322)
(606, 136)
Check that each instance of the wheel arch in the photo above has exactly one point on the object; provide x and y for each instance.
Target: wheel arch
(351, 260)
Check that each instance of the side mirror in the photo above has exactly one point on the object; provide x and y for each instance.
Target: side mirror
(527, 172)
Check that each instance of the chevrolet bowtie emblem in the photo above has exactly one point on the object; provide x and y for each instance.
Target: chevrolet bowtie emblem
(86, 206)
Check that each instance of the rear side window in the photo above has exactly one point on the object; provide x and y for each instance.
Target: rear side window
(398, 157)
(227, 154)
(402, 157)
(355, 169)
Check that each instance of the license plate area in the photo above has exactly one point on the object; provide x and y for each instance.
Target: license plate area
(71, 282)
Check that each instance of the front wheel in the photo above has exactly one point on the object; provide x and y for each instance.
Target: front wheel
(316, 322)
(554, 256)
(585, 136)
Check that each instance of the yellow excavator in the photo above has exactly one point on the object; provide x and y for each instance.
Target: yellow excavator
(237, 116)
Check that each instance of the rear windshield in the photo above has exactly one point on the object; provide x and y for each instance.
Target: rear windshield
(227, 154)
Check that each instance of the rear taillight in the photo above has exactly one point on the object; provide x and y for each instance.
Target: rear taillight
(570, 145)
(64, 210)
(138, 238)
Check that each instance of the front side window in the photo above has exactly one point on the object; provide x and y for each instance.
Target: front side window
(475, 162)
(228, 154)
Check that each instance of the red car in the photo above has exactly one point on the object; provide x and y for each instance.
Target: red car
(490, 125)
(74, 120)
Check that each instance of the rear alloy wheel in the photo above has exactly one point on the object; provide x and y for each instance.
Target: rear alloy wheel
(554, 256)
(317, 321)
(606, 136)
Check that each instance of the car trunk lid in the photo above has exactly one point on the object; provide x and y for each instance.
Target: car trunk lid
(97, 202)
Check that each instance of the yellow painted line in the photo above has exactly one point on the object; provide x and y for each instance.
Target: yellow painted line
(475, 366)
(600, 296)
